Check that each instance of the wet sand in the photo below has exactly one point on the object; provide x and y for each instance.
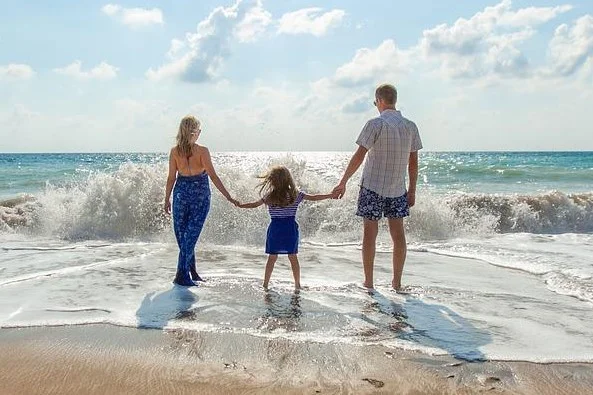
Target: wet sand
(103, 359)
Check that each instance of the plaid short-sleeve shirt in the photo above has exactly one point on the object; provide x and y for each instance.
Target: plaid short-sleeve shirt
(389, 139)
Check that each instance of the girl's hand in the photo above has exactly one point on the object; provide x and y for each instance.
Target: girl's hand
(167, 207)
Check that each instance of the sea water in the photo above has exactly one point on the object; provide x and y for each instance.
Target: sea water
(500, 253)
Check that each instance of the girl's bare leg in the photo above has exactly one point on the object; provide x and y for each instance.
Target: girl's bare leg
(296, 270)
(269, 267)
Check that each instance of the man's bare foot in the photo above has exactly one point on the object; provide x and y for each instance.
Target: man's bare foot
(366, 284)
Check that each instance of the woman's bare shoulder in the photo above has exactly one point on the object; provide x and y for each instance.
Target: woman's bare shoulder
(202, 149)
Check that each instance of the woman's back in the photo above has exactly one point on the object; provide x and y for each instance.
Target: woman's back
(189, 165)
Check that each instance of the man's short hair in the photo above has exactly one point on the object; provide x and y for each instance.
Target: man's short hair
(387, 93)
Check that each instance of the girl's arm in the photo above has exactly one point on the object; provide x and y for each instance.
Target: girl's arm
(207, 161)
(317, 197)
(170, 182)
(251, 205)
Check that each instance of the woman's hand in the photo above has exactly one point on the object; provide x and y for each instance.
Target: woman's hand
(167, 207)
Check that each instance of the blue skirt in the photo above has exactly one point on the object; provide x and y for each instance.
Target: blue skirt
(283, 236)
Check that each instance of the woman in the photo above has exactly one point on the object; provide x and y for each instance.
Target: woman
(190, 166)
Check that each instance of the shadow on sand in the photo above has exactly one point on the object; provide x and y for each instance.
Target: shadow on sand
(157, 309)
(430, 325)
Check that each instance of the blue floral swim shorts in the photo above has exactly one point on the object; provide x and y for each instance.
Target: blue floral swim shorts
(373, 206)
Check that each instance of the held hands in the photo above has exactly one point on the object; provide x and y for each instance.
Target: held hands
(339, 191)
(234, 201)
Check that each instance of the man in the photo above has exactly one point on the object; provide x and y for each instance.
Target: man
(392, 143)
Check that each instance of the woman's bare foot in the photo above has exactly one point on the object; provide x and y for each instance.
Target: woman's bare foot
(265, 286)
(367, 285)
(195, 276)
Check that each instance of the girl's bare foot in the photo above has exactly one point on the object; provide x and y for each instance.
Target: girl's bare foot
(396, 285)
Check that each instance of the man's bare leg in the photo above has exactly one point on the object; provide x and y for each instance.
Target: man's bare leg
(398, 236)
(369, 239)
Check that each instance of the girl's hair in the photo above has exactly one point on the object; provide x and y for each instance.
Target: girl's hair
(277, 187)
(188, 125)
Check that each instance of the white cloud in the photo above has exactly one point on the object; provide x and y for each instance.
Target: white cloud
(14, 71)
(254, 24)
(207, 48)
(571, 47)
(357, 104)
(531, 16)
(310, 21)
(111, 9)
(367, 64)
(102, 71)
(487, 45)
(176, 47)
(134, 17)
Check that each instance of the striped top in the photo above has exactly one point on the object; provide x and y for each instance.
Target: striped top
(286, 211)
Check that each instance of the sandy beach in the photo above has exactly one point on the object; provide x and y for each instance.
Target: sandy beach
(101, 359)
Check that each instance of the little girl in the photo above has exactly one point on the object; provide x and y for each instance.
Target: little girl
(282, 199)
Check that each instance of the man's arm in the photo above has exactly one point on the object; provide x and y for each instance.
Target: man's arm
(354, 164)
(413, 177)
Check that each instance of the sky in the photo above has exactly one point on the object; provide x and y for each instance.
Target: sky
(293, 75)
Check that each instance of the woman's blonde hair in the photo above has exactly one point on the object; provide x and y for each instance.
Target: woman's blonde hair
(277, 187)
(188, 125)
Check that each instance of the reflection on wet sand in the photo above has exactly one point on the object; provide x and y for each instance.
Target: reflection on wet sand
(281, 312)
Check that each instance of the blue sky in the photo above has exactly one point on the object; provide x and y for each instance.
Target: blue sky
(293, 75)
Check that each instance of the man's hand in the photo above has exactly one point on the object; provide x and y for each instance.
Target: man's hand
(411, 198)
(339, 191)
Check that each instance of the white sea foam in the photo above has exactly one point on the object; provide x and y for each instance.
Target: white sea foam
(486, 271)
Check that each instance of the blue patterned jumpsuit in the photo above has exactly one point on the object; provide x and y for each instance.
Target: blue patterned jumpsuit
(191, 203)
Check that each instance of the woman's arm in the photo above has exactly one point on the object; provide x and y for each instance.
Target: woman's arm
(251, 205)
(207, 162)
(317, 197)
(170, 182)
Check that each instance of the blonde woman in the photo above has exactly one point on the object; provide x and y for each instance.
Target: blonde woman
(190, 166)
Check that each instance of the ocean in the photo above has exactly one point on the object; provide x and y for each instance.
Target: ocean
(499, 267)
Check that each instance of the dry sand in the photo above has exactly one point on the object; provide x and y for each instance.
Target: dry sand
(103, 359)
